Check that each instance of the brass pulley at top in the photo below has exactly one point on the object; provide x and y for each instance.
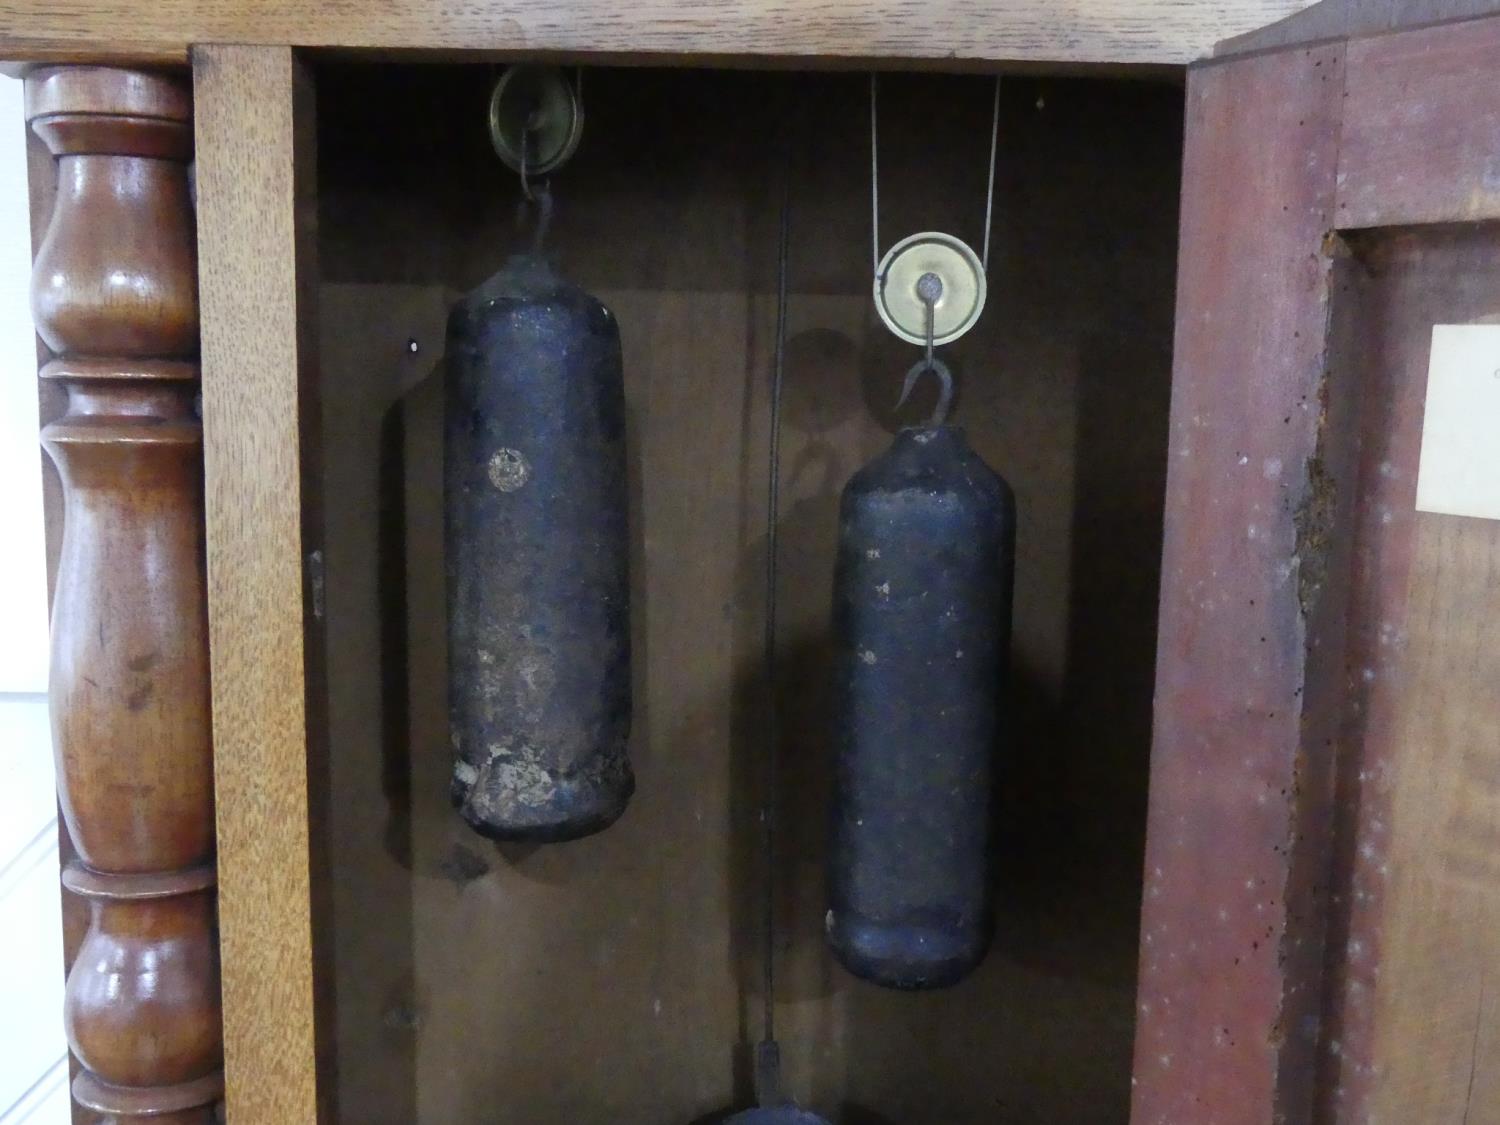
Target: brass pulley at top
(536, 120)
(936, 318)
(960, 295)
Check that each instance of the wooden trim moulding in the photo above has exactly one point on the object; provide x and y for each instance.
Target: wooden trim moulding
(1354, 19)
(253, 110)
(1162, 32)
(114, 297)
(1253, 598)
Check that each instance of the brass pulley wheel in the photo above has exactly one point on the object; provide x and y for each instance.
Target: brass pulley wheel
(959, 302)
(536, 119)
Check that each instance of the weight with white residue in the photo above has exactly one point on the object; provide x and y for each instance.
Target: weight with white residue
(537, 553)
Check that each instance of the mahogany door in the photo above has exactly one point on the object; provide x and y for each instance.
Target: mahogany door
(1321, 923)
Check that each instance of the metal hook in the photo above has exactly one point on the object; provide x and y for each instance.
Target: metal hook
(929, 291)
(525, 183)
(945, 397)
(541, 196)
(543, 217)
(533, 125)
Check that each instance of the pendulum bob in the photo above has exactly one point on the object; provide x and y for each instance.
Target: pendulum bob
(537, 559)
(922, 595)
(776, 1115)
(773, 1107)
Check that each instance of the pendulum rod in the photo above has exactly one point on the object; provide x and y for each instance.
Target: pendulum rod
(772, 1107)
(768, 1058)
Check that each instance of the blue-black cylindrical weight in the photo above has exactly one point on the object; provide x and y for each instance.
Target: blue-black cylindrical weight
(537, 558)
(922, 594)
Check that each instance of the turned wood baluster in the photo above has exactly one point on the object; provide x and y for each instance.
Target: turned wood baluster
(114, 295)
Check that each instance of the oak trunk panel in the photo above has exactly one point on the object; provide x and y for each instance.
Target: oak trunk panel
(1162, 32)
(1241, 766)
(251, 111)
(616, 977)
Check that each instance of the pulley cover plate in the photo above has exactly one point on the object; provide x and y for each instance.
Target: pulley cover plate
(539, 100)
(956, 266)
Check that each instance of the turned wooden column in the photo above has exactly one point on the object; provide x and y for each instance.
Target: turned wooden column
(114, 295)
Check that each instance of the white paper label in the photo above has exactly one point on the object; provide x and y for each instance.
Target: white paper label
(1459, 473)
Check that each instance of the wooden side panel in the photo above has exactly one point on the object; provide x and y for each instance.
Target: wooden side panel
(1421, 139)
(1437, 993)
(248, 104)
(1165, 32)
(1411, 1018)
(1407, 1018)
(1348, 19)
(1237, 829)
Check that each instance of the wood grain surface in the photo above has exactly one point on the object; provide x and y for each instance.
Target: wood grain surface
(1390, 806)
(1169, 32)
(1235, 894)
(247, 106)
(1421, 123)
(1440, 928)
(1410, 1018)
(1350, 19)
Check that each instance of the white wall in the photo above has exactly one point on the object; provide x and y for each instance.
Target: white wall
(33, 1058)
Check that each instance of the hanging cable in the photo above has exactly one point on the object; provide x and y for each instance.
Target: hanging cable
(989, 199)
(989, 195)
(874, 174)
(772, 506)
